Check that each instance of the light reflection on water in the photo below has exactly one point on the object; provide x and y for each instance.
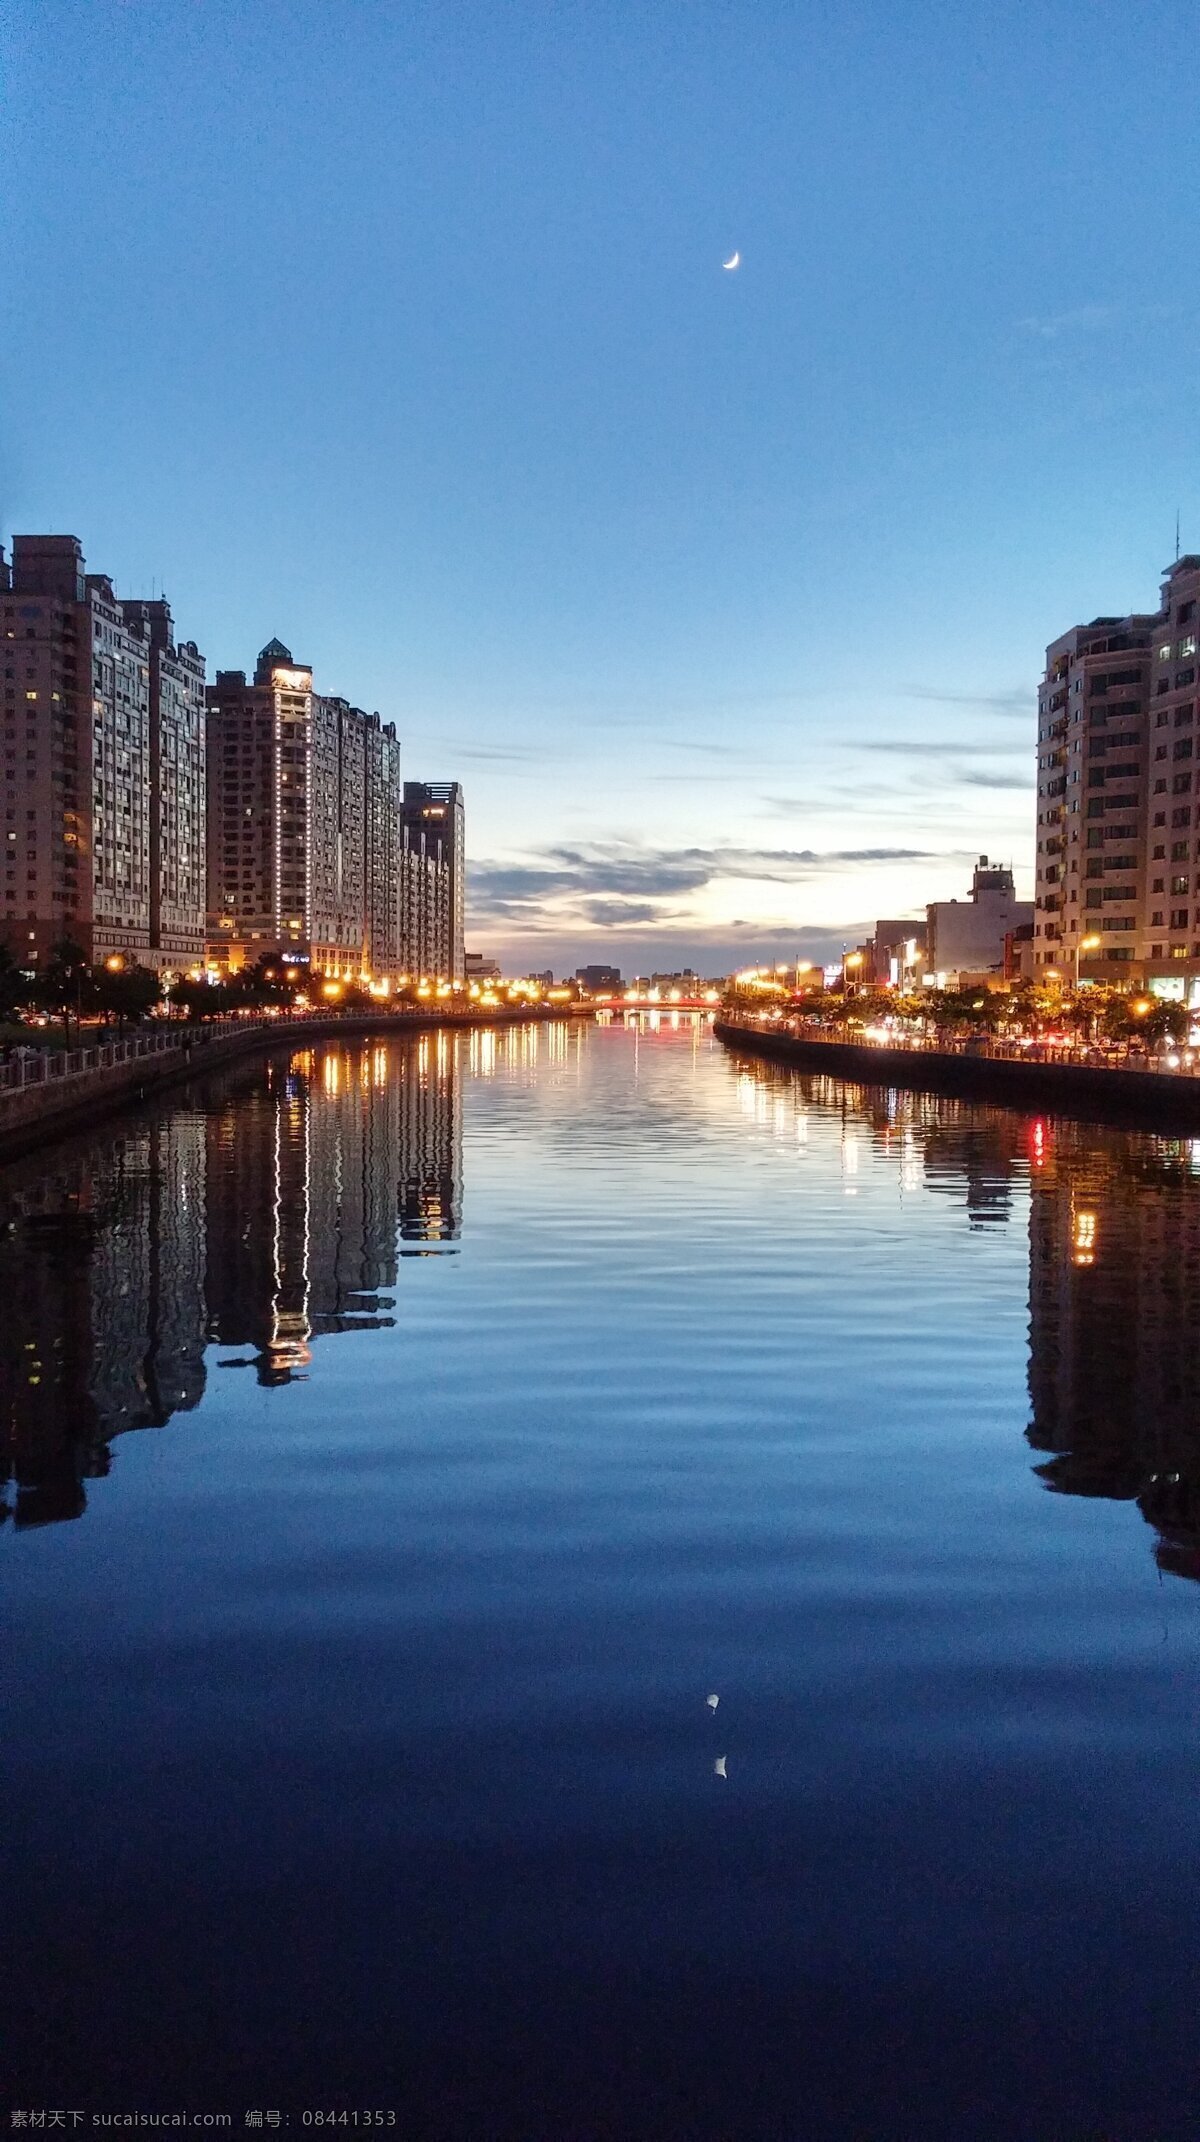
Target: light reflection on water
(519, 1390)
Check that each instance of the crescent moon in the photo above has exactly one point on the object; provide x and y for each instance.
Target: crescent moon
(731, 263)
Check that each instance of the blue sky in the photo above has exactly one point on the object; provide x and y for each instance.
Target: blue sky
(401, 331)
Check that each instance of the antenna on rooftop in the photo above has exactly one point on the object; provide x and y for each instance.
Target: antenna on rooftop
(1176, 535)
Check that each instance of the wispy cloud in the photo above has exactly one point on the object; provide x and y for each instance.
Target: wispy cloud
(619, 886)
(1019, 699)
(1078, 319)
(977, 777)
(907, 747)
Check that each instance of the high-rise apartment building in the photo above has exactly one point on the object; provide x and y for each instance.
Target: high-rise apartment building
(259, 776)
(304, 807)
(101, 793)
(383, 841)
(1170, 889)
(433, 880)
(177, 786)
(1117, 849)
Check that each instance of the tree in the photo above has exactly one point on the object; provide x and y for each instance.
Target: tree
(14, 989)
(126, 992)
(1151, 1020)
(64, 984)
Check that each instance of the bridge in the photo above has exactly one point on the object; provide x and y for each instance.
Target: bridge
(626, 1001)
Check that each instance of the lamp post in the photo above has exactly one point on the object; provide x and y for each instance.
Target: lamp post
(1085, 944)
(849, 960)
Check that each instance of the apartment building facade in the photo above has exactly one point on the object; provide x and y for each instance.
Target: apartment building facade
(304, 822)
(1170, 902)
(433, 885)
(178, 797)
(1117, 886)
(102, 746)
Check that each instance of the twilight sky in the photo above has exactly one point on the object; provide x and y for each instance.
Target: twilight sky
(400, 331)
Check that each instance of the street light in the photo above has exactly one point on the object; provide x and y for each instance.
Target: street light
(849, 959)
(1085, 944)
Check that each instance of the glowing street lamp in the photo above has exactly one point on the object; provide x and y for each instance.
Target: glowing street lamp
(849, 960)
(1085, 944)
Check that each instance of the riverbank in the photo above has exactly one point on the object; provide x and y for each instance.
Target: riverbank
(1093, 1093)
(53, 1093)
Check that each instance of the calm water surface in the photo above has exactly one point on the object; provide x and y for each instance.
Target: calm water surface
(498, 1399)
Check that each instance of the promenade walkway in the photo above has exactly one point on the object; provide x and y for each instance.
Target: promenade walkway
(1099, 1081)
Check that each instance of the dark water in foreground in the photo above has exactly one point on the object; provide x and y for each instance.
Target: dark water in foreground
(501, 1398)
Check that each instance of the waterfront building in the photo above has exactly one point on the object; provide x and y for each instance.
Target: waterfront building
(178, 788)
(101, 791)
(432, 867)
(966, 937)
(1091, 801)
(303, 811)
(480, 967)
(1118, 889)
(1170, 889)
(597, 978)
(896, 952)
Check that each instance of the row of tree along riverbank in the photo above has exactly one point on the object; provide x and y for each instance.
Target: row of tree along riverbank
(1059, 1082)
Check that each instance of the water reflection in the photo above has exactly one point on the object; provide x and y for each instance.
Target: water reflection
(1114, 1275)
(271, 1213)
(276, 1209)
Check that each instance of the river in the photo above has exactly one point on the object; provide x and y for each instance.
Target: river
(404, 1443)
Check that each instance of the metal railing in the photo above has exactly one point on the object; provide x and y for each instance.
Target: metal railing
(23, 1068)
(1170, 1061)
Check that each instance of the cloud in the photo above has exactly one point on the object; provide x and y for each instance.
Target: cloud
(713, 751)
(1020, 699)
(977, 778)
(622, 887)
(517, 755)
(909, 748)
(1080, 318)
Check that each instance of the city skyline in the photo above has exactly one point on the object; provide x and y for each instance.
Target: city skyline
(726, 593)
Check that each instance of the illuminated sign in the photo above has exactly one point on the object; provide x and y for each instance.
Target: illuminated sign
(292, 680)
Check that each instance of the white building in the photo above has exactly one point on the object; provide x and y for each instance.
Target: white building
(967, 936)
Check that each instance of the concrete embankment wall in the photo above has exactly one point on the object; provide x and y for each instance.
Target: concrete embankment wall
(1152, 1099)
(34, 1115)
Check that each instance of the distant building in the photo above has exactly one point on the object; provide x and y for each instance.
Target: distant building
(102, 790)
(433, 872)
(896, 952)
(303, 824)
(967, 936)
(598, 978)
(480, 967)
(1018, 954)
